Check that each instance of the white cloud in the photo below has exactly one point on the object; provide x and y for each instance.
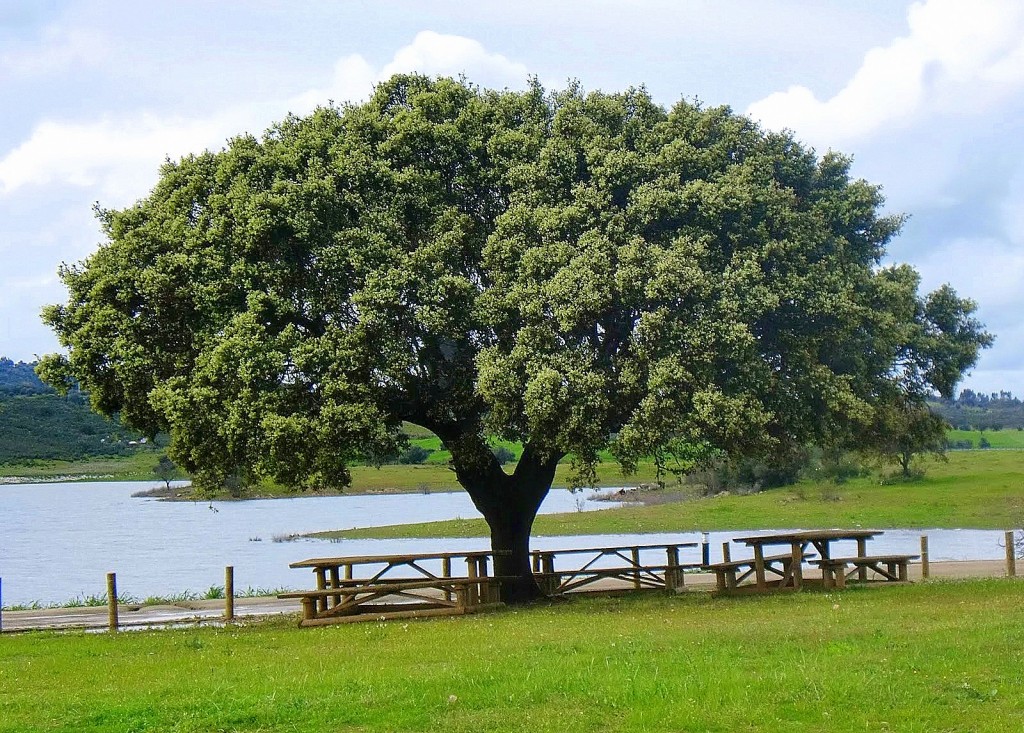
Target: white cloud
(431, 53)
(119, 155)
(958, 58)
(437, 54)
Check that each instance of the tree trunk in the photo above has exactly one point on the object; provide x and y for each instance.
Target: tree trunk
(510, 544)
(509, 505)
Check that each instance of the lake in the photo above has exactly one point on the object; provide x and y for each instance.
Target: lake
(58, 541)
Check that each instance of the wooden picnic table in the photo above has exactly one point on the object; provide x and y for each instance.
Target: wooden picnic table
(789, 565)
(337, 572)
(425, 582)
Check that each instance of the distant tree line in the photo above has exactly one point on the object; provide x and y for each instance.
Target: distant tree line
(18, 378)
(979, 411)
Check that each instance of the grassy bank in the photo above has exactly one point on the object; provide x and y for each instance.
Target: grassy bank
(430, 476)
(978, 489)
(938, 656)
(137, 466)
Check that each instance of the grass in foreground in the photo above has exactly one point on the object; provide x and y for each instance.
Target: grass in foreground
(929, 657)
(974, 489)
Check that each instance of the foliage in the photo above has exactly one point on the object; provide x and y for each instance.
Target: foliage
(571, 271)
(414, 454)
(165, 470)
(503, 455)
(19, 378)
(902, 430)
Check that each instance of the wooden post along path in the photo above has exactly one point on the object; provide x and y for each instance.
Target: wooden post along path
(1011, 555)
(925, 570)
(112, 622)
(229, 593)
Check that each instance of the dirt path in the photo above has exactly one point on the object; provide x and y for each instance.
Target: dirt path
(132, 616)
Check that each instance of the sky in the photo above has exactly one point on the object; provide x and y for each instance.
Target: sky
(926, 96)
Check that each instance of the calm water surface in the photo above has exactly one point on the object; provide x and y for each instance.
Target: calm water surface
(57, 541)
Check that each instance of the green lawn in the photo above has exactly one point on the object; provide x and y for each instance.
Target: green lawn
(997, 438)
(915, 659)
(977, 489)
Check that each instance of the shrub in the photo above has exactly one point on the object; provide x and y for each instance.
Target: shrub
(503, 454)
(414, 454)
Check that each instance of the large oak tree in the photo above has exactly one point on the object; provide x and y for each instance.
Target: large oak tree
(574, 271)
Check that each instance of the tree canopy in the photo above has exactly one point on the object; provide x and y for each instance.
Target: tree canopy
(576, 271)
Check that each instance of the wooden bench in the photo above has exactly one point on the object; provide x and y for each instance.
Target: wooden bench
(395, 598)
(835, 571)
(731, 573)
(633, 578)
(593, 565)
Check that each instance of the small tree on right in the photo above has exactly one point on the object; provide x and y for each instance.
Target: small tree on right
(901, 430)
(902, 426)
(166, 470)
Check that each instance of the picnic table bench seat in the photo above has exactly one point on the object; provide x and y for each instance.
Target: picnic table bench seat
(661, 577)
(416, 597)
(837, 570)
(730, 573)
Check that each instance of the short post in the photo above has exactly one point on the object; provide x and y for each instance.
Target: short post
(321, 584)
(924, 556)
(705, 549)
(472, 594)
(446, 572)
(673, 576)
(483, 572)
(1011, 556)
(229, 593)
(635, 554)
(112, 601)
(726, 555)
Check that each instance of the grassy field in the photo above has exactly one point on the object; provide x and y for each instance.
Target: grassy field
(928, 657)
(977, 489)
(997, 438)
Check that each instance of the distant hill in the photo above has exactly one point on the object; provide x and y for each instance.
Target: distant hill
(977, 411)
(38, 424)
(19, 378)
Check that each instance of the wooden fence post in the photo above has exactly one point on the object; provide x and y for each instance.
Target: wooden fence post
(229, 593)
(673, 576)
(446, 572)
(925, 571)
(112, 623)
(1011, 555)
